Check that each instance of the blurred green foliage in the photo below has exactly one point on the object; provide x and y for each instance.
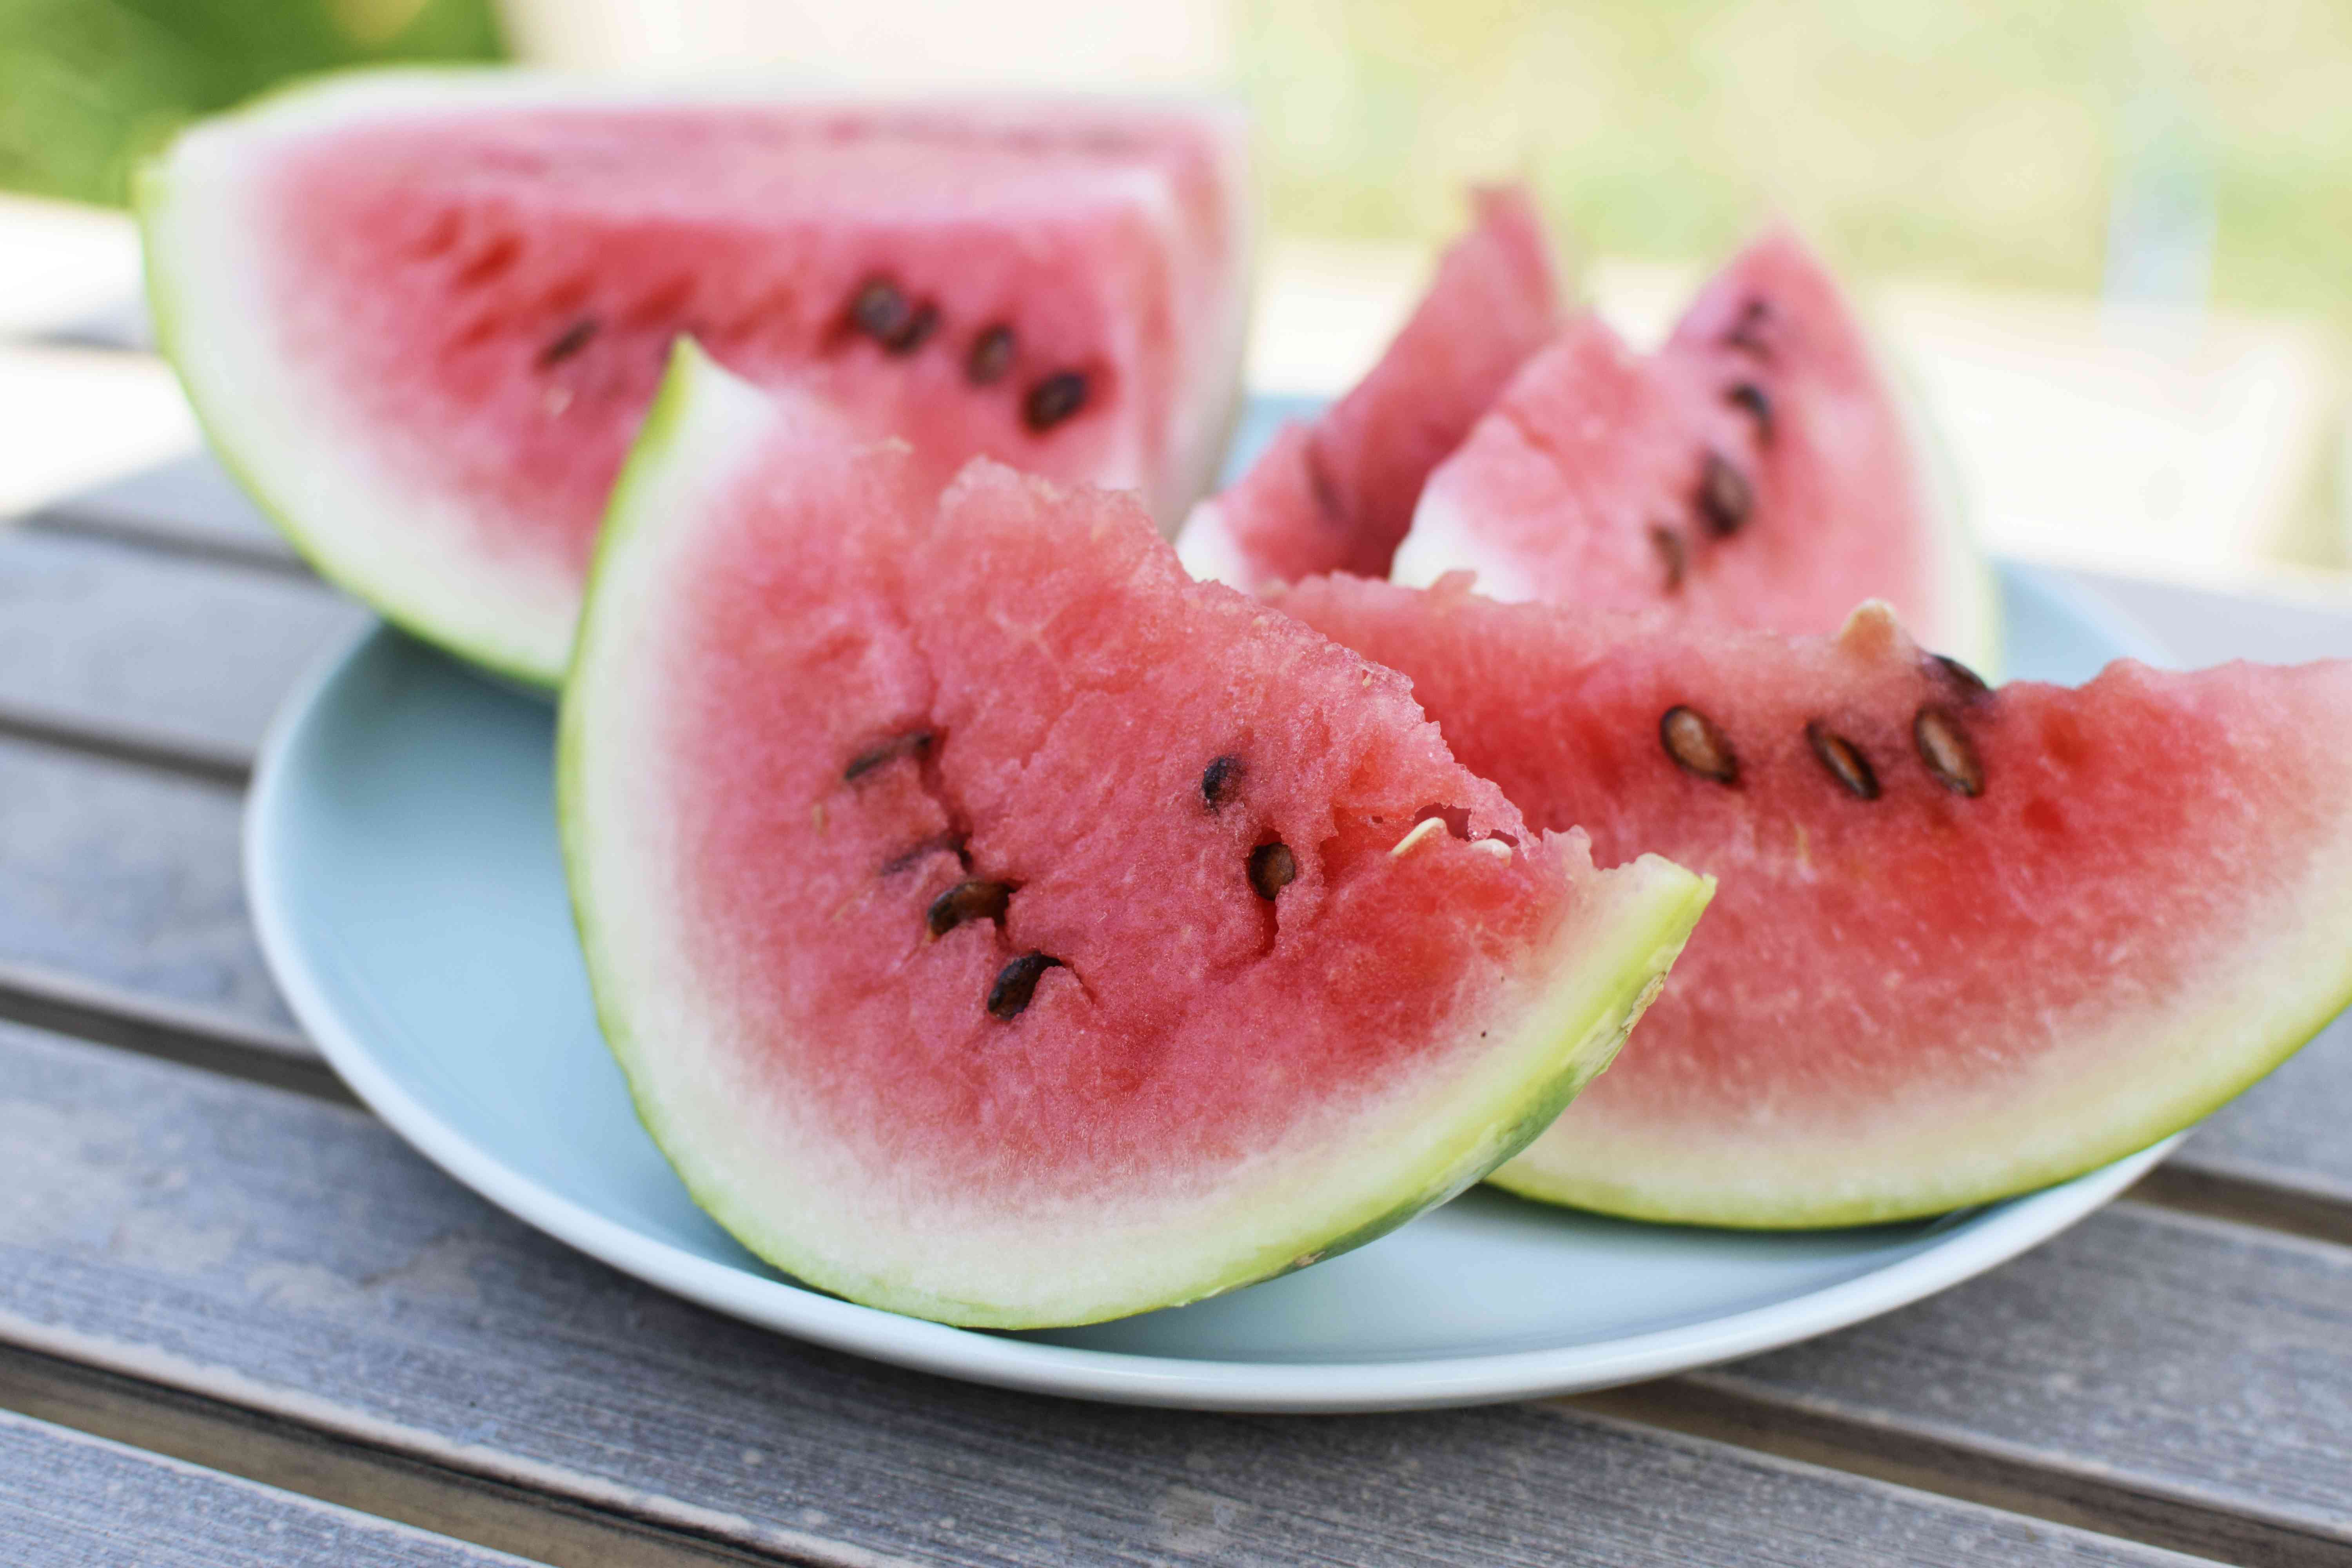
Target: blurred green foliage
(1982, 141)
(88, 86)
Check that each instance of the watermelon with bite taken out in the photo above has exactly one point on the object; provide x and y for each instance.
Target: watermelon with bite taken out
(1758, 470)
(1338, 494)
(1968, 941)
(421, 313)
(996, 925)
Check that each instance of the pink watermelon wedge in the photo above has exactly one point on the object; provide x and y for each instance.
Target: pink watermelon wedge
(1337, 495)
(1968, 941)
(1756, 471)
(998, 926)
(422, 313)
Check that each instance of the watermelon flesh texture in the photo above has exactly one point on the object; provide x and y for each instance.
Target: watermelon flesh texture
(815, 709)
(423, 316)
(1338, 494)
(1900, 1005)
(1756, 471)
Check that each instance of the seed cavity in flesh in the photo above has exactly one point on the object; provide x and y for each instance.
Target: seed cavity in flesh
(1668, 543)
(1055, 399)
(1427, 828)
(990, 357)
(1220, 780)
(1971, 684)
(913, 744)
(1725, 498)
(1844, 761)
(1696, 745)
(949, 842)
(971, 899)
(570, 341)
(1757, 403)
(1009, 993)
(1272, 867)
(879, 310)
(1944, 747)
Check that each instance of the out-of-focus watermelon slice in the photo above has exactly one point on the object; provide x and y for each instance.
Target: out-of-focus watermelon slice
(1968, 941)
(1338, 494)
(421, 313)
(1756, 471)
(998, 926)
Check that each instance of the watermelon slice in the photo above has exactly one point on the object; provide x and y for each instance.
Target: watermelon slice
(1338, 495)
(1756, 471)
(1968, 941)
(421, 313)
(997, 926)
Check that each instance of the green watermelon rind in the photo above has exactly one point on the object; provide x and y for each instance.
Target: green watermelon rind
(1610, 962)
(2274, 1009)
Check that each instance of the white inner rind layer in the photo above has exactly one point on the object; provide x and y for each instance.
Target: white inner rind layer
(1369, 1158)
(2111, 1087)
(410, 550)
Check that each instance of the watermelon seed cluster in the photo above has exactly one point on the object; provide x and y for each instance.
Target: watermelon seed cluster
(1698, 745)
(882, 312)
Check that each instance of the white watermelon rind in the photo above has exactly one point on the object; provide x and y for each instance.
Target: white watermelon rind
(312, 474)
(2110, 1093)
(1418, 1146)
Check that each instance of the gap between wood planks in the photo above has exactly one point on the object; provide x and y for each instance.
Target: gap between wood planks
(558, 1531)
(1699, 1404)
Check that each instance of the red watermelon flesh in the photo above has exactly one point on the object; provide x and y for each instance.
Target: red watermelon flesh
(998, 926)
(1907, 997)
(1337, 495)
(1756, 471)
(467, 295)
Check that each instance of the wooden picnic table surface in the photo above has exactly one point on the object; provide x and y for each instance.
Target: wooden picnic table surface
(241, 1322)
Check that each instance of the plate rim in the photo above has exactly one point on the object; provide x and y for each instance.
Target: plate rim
(1117, 1377)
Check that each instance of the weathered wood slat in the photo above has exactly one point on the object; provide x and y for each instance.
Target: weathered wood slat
(165, 651)
(68, 1501)
(190, 504)
(291, 1257)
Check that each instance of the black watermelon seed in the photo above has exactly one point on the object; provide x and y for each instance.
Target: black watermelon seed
(1944, 747)
(920, 323)
(1695, 743)
(1668, 543)
(1272, 867)
(1016, 983)
(1753, 398)
(991, 356)
(1971, 684)
(572, 339)
(1747, 332)
(878, 309)
(1725, 498)
(972, 900)
(914, 742)
(1055, 399)
(1219, 779)
(1844, 761)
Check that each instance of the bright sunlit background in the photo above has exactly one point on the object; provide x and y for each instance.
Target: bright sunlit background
(2110, 240)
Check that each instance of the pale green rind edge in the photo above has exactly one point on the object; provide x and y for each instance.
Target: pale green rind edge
(1574, 1035)
(2301, 1017)
(151, 200)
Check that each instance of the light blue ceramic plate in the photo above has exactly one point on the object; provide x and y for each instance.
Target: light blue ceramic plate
(402, 863)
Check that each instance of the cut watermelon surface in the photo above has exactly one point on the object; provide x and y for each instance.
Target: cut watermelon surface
(422, 313)
(998, 926)
(1756, 471)
(1338, 494)
(1967, 942)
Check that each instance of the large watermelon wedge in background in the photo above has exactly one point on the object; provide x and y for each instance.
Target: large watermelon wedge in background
(998, 926)
(1757, 470)
(421, 313)
(1968, 941)
(1338, 494)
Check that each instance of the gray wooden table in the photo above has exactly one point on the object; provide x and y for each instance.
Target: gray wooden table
(241, 1322)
